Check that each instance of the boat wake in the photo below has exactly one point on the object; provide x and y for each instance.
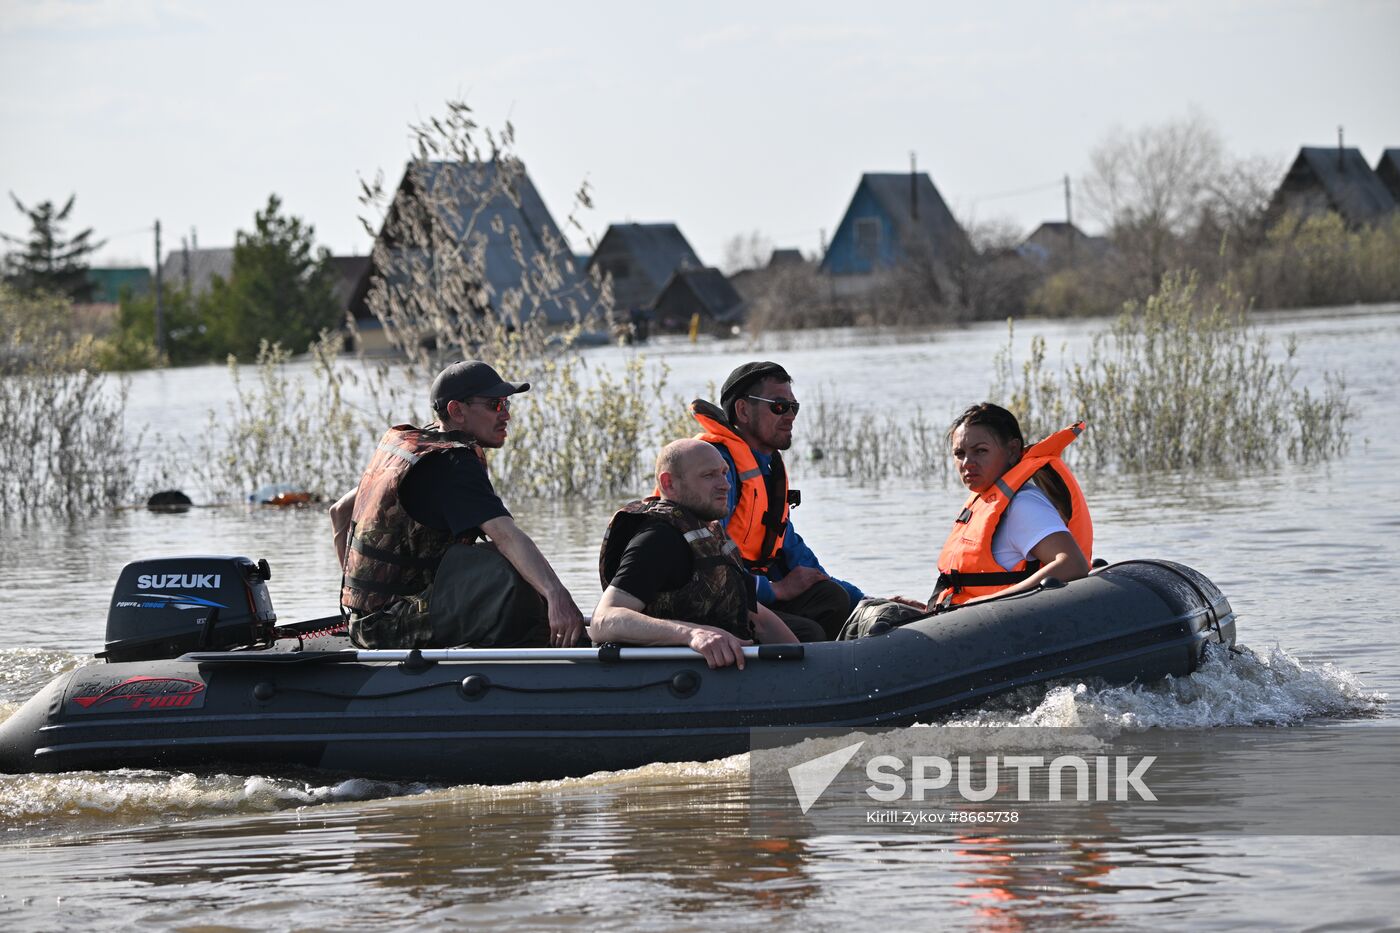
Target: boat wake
(86, 802)
(1239, 688)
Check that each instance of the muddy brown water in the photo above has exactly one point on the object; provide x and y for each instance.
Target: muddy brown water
(1309, 556)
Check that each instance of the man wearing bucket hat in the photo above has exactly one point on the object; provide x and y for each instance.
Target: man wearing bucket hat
(414, 575)
(751, 429)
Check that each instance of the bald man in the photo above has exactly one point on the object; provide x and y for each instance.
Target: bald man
(672, 576)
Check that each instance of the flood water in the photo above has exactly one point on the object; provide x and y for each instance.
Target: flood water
(1308, 555)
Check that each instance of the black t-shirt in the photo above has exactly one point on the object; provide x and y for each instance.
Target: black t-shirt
(450, 490)
(657, 560)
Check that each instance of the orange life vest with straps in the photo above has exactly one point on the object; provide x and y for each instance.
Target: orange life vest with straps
(966, 568)
(760, 513)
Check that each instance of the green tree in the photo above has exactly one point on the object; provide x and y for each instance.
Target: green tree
(187, 337)
(49, 261)
(281, 289)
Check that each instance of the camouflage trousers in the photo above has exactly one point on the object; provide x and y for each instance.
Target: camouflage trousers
(476, 599)
(402, 624)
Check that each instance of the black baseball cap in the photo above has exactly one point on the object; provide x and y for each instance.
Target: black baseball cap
(749, 375)
(466, 379)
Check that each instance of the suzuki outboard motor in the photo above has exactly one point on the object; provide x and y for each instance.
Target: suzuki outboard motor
(164, 608)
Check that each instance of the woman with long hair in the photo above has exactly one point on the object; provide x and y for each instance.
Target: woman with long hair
(1026, 519)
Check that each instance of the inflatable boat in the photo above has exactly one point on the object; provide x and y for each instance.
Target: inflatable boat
(198, 675)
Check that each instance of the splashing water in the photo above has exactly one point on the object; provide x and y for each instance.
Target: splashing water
(87, 801)
(1230, 689)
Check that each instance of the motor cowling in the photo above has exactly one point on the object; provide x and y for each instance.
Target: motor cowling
(166, 607)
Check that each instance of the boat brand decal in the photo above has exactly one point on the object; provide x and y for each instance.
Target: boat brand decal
(167, 601)
(178, 581)
(139, 694)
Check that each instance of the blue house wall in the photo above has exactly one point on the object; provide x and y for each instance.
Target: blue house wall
(842, 257)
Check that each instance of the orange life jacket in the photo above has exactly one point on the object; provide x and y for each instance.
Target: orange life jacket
(966, 568)
(760, 513)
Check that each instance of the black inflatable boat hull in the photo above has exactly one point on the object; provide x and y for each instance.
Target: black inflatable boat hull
(505, 721)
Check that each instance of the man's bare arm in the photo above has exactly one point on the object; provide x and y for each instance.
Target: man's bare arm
(565, 620)
(341, 511)
(619, 617)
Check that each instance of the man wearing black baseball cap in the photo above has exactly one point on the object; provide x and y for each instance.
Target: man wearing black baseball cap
(413, 578)
(751, 430)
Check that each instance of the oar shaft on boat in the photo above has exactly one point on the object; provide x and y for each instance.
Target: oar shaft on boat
(605, 654)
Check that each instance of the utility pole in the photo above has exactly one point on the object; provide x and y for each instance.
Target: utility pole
(160, 301)
(1069, 221)
(913, 187)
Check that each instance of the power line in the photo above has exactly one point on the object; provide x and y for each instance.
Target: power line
(1020, 191)
(113, 236)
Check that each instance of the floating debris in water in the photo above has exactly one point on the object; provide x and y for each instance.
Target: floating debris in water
(169, 500)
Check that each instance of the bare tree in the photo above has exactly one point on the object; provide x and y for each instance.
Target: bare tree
(1169, 192)
(750, 250)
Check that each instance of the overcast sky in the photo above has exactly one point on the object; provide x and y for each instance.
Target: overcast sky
(723, 117)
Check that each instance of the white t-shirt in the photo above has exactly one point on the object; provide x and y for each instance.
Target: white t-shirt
(1028, 520)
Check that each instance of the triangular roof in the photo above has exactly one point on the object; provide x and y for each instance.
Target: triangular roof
(915, 209)
(453, 188)
(196, 268)
(1344, 178)
(1388, 171)
(657, 250)
(709, 288)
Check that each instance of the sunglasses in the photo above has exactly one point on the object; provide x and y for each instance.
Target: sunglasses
(497, 405)
(778, 406)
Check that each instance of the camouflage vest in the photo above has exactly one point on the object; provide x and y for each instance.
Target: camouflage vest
(717, 591)
(390, 555)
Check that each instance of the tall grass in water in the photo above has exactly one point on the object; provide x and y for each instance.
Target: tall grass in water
(280, 427)
(1179, 381)
(843, 442)
(66, 449)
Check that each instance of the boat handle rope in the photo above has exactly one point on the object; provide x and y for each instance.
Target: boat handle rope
(474, 686)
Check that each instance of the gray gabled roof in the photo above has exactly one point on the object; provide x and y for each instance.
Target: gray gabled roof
(934, 222)
(194, 269)
(1388, 171)
(455, 190)
(657, 250)
(1351, 188)
(709, 288)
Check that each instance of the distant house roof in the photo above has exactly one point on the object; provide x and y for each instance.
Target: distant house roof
(704, 290)
(1054, 239)
(786, 257)
(348, 272)
(194, 269)
(110, 281)
(455, 191)
(1388, 171)
(1326, 178)
(913, 219)
(641, 259)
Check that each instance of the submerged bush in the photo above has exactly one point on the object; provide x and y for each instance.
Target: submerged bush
(66, 447)
(282, 429)
(843, 442)
(1181, 380)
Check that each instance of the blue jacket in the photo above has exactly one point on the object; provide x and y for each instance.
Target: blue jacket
(793, 553)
